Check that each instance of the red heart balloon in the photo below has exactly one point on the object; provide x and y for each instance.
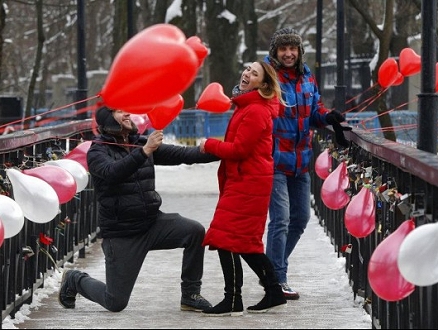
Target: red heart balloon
(151, 67)
(61, 180)
(79, 154)
(387, 72)
(383, 273)
(410, 62)
(360, 214)
(333, 192)
(200, 50)
(399, 80)
(213, 99)
(323, 164)
(163, 114)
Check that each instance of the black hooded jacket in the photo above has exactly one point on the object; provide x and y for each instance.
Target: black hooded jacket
(124, 181)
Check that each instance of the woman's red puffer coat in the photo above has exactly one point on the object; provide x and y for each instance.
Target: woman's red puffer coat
(245, 176)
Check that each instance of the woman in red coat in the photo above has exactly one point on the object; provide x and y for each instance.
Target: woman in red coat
(245, 181)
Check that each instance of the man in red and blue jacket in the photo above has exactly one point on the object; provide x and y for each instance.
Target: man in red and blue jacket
(289, 209)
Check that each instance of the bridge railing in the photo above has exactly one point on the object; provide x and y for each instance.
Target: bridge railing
(30, 256)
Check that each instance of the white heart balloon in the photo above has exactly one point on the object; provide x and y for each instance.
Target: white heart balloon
(418, 258)
(38, 200)
(11, 215)
(75, 168)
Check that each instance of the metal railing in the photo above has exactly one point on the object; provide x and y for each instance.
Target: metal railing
(405, 183)
(39, 248)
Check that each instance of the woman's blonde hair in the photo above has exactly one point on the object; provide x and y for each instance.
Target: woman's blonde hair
(270, 87)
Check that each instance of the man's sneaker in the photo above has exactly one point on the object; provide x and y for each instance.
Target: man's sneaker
(194, 302)
(288, 292)
(67, 294)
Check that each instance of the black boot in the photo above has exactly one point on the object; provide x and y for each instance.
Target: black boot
(232, 304)
(274, 297)
(273, 300)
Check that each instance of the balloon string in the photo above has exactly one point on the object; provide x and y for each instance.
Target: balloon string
(80, 111)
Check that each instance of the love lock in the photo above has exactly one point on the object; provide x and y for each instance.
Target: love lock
(27, 252)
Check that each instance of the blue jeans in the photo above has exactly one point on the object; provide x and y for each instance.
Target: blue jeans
(289, 213)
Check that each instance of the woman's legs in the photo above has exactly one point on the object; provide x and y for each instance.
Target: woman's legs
(232, 304)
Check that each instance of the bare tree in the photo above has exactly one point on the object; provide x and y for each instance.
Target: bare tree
(222, 28)
(38, 56)
(400, 20)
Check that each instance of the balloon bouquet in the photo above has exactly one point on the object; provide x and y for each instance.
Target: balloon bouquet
(152, 69)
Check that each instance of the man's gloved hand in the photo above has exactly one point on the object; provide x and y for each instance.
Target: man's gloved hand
(335, 118)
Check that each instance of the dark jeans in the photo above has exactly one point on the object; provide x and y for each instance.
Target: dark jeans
(124, 258)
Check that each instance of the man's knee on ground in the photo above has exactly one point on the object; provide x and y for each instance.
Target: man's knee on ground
(118, 306)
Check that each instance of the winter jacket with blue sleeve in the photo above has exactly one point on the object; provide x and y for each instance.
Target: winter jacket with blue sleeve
(292, 131)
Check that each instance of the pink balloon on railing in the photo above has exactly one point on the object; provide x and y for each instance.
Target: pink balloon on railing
(360, 214)
(36, 197)
(11, 215)
(60, 179)
(383, 273)
(2, 233)
(418, 257)
(79, 154)
(323, 164)
(79, 173)
(333, 189)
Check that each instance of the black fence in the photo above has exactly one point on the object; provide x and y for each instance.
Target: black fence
(28, 257)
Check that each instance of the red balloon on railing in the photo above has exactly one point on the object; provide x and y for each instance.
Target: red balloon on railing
(323, 164)
(360, 214)
(333, 189)
(383, 273)
(387, 74)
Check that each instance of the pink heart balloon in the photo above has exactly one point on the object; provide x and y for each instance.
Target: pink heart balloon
(323, 164)
(2, 233)
(359, 217)
(151, 67)
(58, 178)
(79, 154)
(410, 62)
(383, 273)
(142, 122)
(333, 192)
(213, 99)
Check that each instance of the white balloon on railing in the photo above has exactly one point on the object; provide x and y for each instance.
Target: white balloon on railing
(11, 215)
(38, 200)
(418, 255)
(75, 168)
